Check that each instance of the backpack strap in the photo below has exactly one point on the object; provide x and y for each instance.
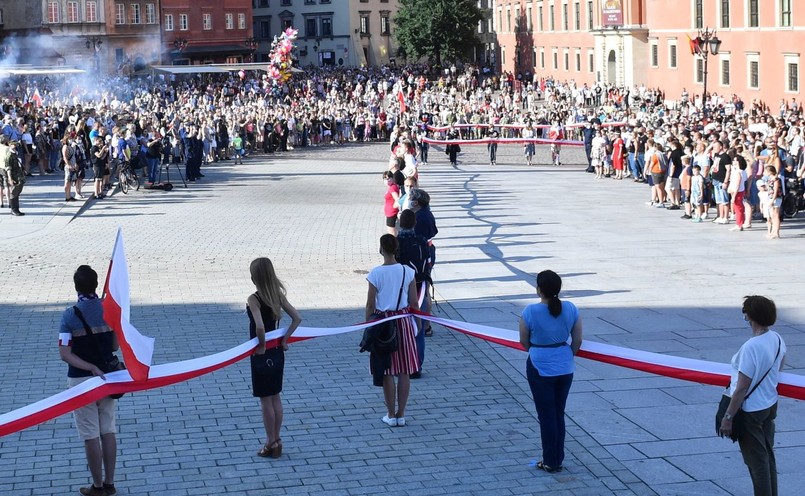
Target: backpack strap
(402, 284)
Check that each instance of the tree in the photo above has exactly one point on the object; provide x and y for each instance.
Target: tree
(441, 30)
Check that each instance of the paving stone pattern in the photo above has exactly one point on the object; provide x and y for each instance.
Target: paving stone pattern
(642, 278)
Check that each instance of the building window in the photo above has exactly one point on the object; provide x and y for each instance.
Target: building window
(576, 16)
(565, 20)
(265, 29)
(53, 12)
(539, 19)
(754, 74)
(567, 61)
(725, 72)
(698, 14)
(793, 77)
(785, 13)
(364, 24)
(241, 21)
(578, 62)
(310, 27)
(168, 22)
(150, 14)
(542, 59)
(503, 55)
(120, 13)
(725, 13)
(72, 12)
(672, 56)
(206, 21)
(555, 61)
(551, 25)
(326, 26)
(480, 27)
(385, 25)
(699, 70)
(655, 55)
(183, 26)
(286, 3)
(754, 20)
(262, 4)
(135, 13)
(591, 62)
(590, 16)
(287, 24)
(229, 21)
(508, 20)
(91, 8)
(529, 21)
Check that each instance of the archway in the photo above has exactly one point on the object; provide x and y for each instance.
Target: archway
(611, 67)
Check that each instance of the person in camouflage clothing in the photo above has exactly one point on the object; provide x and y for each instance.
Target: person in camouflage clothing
(12, 172)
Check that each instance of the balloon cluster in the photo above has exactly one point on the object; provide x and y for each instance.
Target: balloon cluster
(280, 60)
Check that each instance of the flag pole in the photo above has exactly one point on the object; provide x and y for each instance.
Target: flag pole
(111, 259)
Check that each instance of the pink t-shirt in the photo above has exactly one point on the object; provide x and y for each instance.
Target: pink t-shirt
(390, 205)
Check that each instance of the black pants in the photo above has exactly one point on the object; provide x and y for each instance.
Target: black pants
(757, 448)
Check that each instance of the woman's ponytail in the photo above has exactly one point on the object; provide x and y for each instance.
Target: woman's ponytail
(550, 284)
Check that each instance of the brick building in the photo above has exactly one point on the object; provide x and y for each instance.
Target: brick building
(207, 31)
(645, 42)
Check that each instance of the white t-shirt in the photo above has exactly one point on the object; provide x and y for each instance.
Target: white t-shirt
(386, 279)
(753, 359)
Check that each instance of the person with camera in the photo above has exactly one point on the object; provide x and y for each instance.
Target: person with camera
(98, 155)
(87, 344)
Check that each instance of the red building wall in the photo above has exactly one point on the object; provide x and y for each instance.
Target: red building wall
(199, 38)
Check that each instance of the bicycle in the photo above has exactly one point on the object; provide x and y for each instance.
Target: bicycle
(128, 178)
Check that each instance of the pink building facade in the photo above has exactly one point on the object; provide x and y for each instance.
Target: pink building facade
(645, 42)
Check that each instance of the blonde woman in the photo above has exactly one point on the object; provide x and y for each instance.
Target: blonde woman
(264, 309)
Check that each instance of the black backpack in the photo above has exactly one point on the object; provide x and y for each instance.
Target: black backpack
(413, 251)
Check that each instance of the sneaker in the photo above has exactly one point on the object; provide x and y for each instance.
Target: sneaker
(686, 216)
(650, 203)
(400, 421)
(110, 489)
(673, 207)
(92, 491)
(390, 421)
(659, 205)
(736, 228)
(698, 219)
(722, 221)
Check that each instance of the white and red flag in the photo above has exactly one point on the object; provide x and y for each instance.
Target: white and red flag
(137, 349)
(401, 99)
(37, 98)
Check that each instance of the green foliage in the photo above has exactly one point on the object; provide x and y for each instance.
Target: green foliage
(442, 30)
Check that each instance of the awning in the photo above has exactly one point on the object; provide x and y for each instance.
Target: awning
(187, 69)
(201, 50)
(37, 71)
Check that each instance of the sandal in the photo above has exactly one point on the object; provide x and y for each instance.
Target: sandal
(273, 450)
(548, 469)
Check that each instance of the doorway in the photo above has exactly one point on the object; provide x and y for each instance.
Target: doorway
(611, 67)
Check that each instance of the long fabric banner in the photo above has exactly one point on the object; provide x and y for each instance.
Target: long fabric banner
(502, 141)
(687, 369)
(518, 126)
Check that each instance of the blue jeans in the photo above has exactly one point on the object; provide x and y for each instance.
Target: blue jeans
(153, 168)
(640, 159)
(550, 397)
(633, 165)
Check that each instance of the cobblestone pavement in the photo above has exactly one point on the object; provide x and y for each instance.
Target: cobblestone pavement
(642, 278)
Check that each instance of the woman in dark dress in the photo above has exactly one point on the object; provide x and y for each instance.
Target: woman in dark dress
(264, 308)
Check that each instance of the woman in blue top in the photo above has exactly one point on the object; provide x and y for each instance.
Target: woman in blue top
(544, 331)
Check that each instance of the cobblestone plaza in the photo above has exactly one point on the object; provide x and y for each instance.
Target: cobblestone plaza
(641, 277)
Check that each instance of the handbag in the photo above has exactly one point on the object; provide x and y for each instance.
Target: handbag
(383, 338)
(737, 419)
(113, 364)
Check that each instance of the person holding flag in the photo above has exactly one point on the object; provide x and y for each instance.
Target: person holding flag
(556, 133)
(88, 344)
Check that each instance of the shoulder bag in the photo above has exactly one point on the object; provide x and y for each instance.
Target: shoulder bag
(106, 366)
(383, 338)
(737, 420)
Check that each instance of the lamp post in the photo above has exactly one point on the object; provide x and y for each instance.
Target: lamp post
(708, 44)
(180, 44)
(94, 43)
(252, 43)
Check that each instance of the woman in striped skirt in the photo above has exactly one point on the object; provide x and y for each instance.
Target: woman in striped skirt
(392, 290)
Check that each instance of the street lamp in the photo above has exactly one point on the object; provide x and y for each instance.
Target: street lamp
(180, 44)
(94, 43)
(252, 43)
(708, 43)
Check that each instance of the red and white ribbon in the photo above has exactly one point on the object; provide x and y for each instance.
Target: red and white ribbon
(687, 369)
(518, 126)
(502, 141)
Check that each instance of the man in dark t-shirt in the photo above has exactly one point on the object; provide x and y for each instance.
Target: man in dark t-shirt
(719, 173)
(87, 343)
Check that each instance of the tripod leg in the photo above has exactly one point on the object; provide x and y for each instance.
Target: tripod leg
(179, 170)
